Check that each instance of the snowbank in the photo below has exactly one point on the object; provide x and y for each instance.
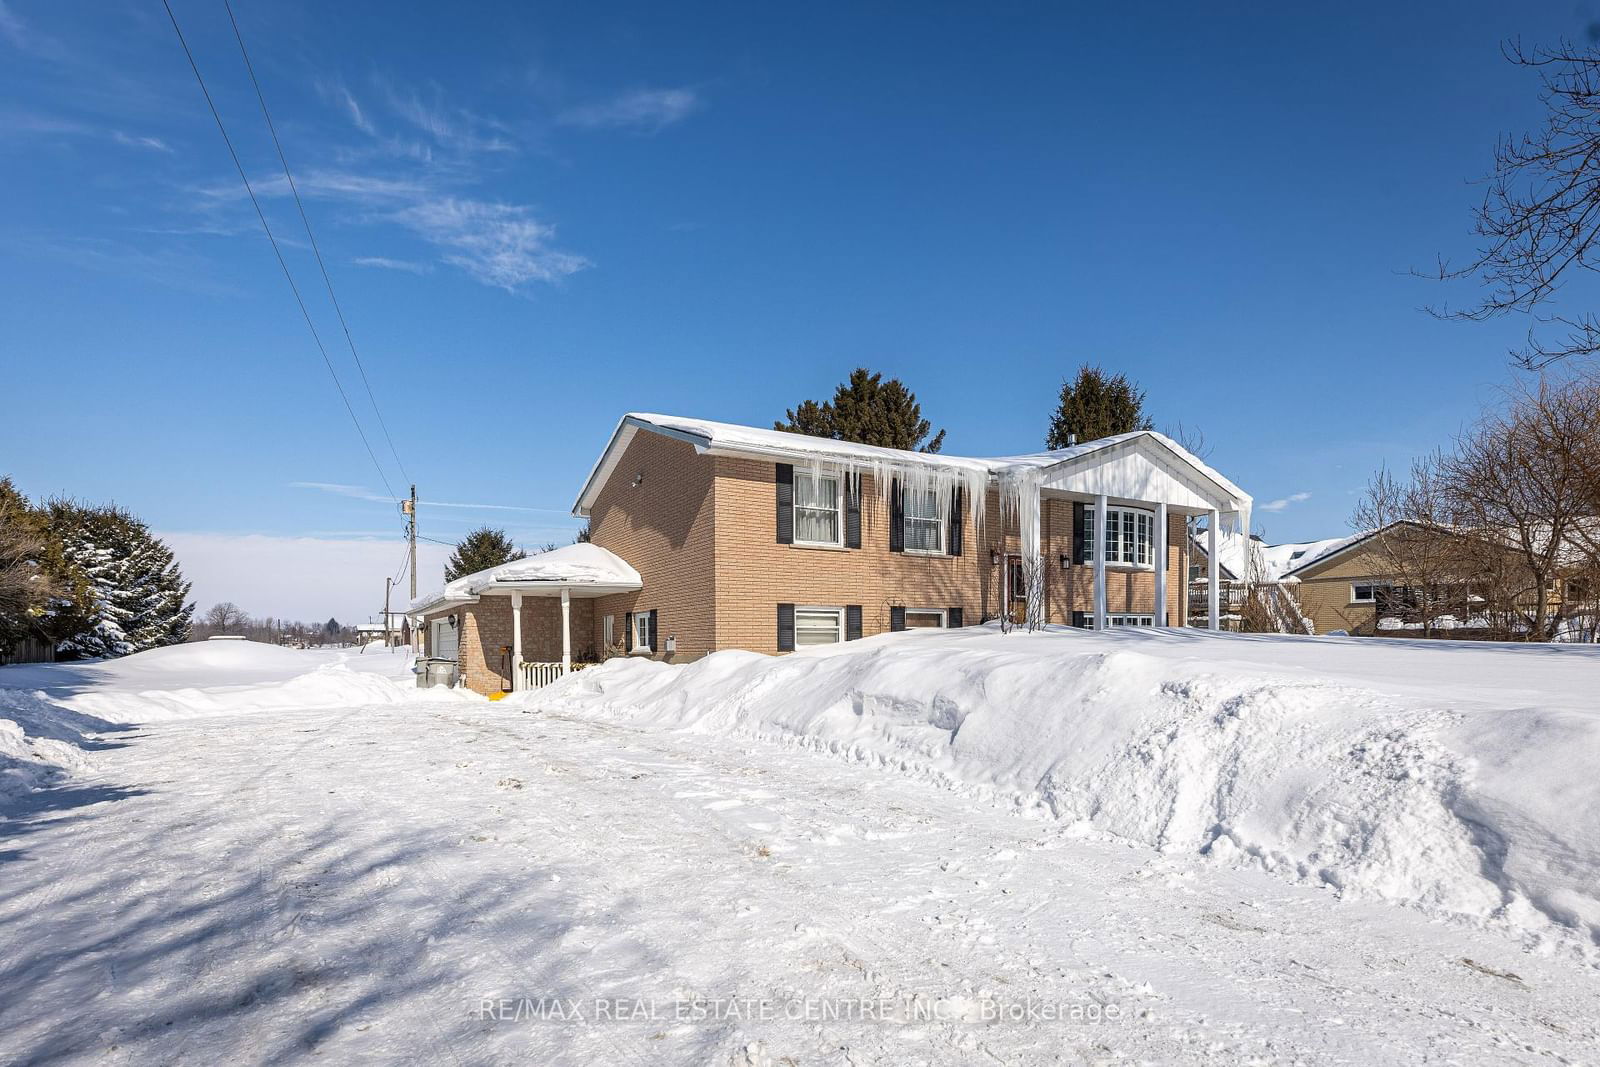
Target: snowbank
(1460, 779)
(53, 714)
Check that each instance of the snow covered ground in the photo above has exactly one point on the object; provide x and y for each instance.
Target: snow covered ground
(225, 853)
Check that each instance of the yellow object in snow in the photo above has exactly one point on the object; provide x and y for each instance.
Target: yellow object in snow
(501, 695)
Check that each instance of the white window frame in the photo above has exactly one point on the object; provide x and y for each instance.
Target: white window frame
(944, 618)
(1122, 519)
(1120, 619)
(641, 632)
(608, 631)
(838, 507)
(1373, 587)
(817, 609)
(906, 519)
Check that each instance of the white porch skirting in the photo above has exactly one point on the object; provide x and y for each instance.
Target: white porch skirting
(537, 675)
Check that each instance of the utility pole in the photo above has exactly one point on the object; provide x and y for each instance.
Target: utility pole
(410, 507)
(387, 642)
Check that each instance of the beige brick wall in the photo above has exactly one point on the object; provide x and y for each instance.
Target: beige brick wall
(663, 527)
(702, 532)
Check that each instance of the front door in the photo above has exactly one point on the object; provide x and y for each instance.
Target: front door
(1016, 590)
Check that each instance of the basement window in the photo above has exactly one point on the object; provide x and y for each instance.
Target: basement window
(818, 626)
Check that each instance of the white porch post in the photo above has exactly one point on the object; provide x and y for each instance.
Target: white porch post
(1100, 506)
(516, 641)
(1213, 572)
(1160, 533)
(566, 630)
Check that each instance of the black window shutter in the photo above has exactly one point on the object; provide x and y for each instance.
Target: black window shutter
(785, 627)
(852, 511)
(627, 627)
(852, 622)
(953, 618)
(897, 619)
(1080, 619)
(897, 519)
(957, 514)
(1077, 533)
(655, 646)
(785, 503)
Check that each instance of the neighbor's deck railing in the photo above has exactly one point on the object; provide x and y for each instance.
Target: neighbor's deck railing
(538, 675)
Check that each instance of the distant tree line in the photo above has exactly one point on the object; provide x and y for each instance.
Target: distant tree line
(227, 619)
(86, 580)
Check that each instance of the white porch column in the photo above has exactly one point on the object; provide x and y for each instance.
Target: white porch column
(1160, 533)
(566, 630)
(516, 641)
(1100, 506)
(1213, 572)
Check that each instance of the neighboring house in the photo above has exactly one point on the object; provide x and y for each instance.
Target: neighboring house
(738, 537)
(1249, 568)
(1352, 586)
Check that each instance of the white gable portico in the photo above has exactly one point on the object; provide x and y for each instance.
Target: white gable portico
(1124, 476)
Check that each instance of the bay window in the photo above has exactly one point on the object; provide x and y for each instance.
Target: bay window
(1130, 536)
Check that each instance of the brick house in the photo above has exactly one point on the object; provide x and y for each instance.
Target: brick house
(771, 541)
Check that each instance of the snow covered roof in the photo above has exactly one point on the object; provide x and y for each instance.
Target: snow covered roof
(1275, 561)
(584, 568)
(708, 436)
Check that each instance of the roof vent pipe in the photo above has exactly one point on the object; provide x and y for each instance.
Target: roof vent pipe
(1072, 440)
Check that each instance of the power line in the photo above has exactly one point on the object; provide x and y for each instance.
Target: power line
(275, 249)
(313, 238)
(435, 540)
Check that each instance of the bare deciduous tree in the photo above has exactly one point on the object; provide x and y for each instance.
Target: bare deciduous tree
(225, 618)
(1540, 217)
(1416, 542)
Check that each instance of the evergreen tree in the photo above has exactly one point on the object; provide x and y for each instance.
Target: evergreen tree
(869, 411)
(331, 628)
(1095, 405)
(479, 550)
(136, 598)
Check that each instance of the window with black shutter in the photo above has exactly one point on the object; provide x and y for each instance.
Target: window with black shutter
(957, 514)
(852, 622)
(897, 519)
(897, 619)
(628, 628)
(1079, 549)
(655, 646)
(785, 479)
(785, 627)
(953, 617)
(852, 511)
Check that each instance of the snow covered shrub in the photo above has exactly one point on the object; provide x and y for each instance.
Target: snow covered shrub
(136, 598)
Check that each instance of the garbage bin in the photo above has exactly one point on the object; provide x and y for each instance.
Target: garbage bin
(432, 672)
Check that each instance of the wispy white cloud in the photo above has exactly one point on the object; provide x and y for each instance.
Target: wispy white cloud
(136, 141)
(385, 263)
(1284, 502)
(498, 244)
(446, 124)
(642, 109)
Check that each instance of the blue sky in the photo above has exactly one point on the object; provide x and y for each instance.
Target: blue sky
(539, 217)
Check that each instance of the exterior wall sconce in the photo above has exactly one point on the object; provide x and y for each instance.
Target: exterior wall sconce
(1066, 561)
(452, 622)
(994, 557)
(638, 479)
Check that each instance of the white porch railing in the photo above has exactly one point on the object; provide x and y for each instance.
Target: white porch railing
(538, 675)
